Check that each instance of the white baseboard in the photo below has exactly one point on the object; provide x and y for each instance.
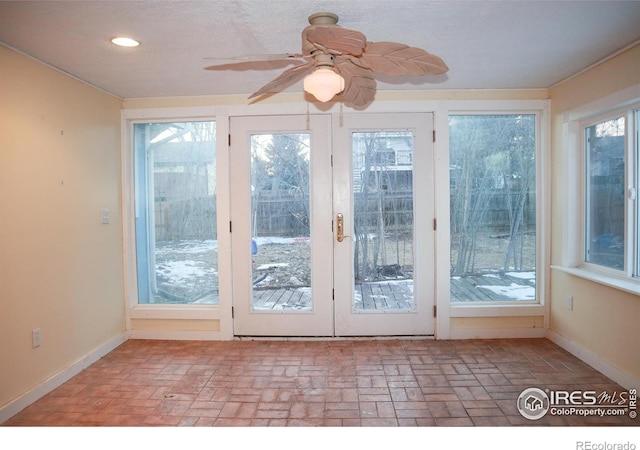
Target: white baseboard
(624, 379)
(20, 403)
(496, 333)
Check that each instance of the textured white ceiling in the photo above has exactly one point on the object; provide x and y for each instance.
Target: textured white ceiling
(486, 44)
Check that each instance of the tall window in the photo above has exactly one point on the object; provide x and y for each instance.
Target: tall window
(611, 176)
(175, 212)
(493, 207)
(605, 193)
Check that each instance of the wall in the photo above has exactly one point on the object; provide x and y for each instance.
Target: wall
(60, 268)
(604, 321)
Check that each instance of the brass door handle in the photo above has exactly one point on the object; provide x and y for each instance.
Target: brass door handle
(340, 227)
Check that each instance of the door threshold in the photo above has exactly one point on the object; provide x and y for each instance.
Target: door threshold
(333, 338)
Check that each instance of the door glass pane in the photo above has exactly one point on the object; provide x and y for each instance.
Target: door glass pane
(493, 207)
(605, 193)
(280, 222)
(383, 220)
(175, 212)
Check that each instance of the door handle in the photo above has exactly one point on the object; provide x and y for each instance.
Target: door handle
(340, 227)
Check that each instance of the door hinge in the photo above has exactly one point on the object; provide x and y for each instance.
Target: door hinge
(229, 140)
(230, 227)
(435, 224)
(435, 311)
(232, 312)
(434, 136)
(333, 294)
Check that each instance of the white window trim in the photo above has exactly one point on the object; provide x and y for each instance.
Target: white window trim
(135, 310)
(572, 187)
(441, 109)
(520, 308)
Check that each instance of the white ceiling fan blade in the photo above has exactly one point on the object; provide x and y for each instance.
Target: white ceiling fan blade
(268, 57)
(336, 40)
(392, 58)
(357, 60)
(360, 85)
(286, 79)
(259, 64)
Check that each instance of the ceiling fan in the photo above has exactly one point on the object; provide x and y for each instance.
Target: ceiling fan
(340, 62)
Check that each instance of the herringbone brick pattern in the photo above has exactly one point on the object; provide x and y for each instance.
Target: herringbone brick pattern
(391, 383)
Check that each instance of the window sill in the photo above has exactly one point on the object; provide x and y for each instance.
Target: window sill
(200, 312)
(623, 284)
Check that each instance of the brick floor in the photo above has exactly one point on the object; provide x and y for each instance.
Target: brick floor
(381, 383)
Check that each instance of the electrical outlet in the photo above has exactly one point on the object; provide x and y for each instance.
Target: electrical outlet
(570, 303)
(35, 337)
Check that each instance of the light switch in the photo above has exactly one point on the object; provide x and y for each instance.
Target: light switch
(105, 216)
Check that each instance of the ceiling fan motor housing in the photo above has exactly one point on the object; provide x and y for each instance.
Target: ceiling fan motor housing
(321, 19)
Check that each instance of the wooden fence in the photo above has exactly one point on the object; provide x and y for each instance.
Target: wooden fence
(285, 214)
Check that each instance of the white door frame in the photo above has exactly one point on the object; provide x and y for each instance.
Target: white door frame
(329, 196)
(319, 320)
(420, 321)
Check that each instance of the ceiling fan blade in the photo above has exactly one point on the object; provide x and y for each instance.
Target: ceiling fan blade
(392, 58)
(336, 40)
(268, 57)
(285, 79)
(360, 85)
(261, 64)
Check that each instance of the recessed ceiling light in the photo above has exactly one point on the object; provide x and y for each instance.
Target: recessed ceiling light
(125, 42)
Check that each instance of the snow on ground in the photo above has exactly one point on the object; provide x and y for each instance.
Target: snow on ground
(175, 272)
(522, 275)
(189, 263)
(185, 261)
(513, 291)
(271, 266)
(279, 240)
(189, 247)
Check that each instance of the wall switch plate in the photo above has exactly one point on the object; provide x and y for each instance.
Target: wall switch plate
(570, 303)
(105, 216)
(35, 337)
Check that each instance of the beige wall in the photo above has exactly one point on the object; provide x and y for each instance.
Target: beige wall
(60, 268)
(293, 97)
(604, 321)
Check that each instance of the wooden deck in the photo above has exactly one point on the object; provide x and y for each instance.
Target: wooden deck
(291, 298)
(493, 287)
(398, 294)
(392, 295)
(384, 295)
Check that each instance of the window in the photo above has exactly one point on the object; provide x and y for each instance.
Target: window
(175, 212)
(598, 191)
(493, 207)
(610, 171)
(604, 162)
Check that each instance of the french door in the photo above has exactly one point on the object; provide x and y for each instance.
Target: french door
(332, 234)
(281, 225)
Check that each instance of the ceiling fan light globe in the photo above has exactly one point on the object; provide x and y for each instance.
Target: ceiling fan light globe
(324, 84)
